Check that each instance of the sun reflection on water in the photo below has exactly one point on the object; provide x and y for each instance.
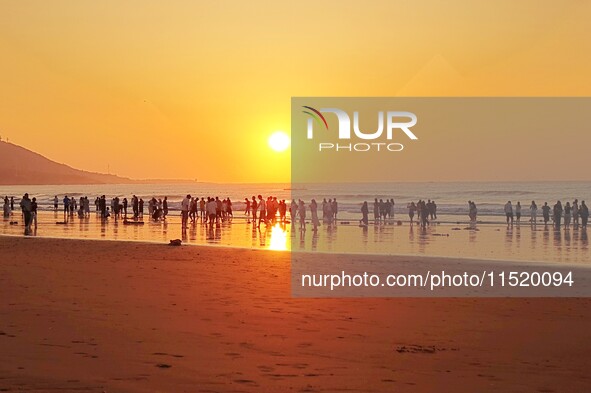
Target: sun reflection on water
(278, 238)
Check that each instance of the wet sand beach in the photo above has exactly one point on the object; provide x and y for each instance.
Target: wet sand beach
(496, 240)
(105, 316)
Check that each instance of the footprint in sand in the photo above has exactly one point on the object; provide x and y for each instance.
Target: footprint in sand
(428, 349)
(247, 381)
(266, 369)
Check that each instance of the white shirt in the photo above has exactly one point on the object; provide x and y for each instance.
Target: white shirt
(185, 204)
(212, 207)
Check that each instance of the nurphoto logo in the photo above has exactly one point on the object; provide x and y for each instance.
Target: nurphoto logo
(395, 120)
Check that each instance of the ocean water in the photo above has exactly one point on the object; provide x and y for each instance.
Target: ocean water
(451, 235)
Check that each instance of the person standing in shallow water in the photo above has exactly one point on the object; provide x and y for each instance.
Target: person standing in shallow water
(509, 212)
(247, 207)
(411, 211)
(254, 208)
(314, 214)
(546, 213)
(302, 214)
(6, 207)
(66, 202)
(364, 214)
(202, 209)
(533, 211)
(473, 211)
(335, 209)
(584, 214)
(557, 212)
(135, 206)
(518, 212)
(567, 215)
(193, 210)
(575, 208)
(185, 204)
(376, 211)
(27, 208)
(262, 211)
(34, 211)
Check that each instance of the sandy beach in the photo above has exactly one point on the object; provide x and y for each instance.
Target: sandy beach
(311, 197)
(105, 316)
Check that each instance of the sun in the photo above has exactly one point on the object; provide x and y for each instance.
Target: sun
(279, 141)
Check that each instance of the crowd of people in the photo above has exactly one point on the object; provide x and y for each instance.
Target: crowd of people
(270, 210)
(577, 213)
(28, 207)
(213, 210)
(425, 211)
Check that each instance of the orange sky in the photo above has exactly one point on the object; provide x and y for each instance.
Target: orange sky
(188, 89)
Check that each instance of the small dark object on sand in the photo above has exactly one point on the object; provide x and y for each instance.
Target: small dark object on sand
(60, 223)
(175, 242)
(163, 365)
(13, 222)
(129, 222)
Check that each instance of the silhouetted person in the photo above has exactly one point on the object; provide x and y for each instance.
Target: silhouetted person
(575, 212)
(66, 202)
(335, 209)
(533, 212)
(546, 213)
(34, 211)
(27, 208)
(135, 206)
(302, 214)
(567, 215)
(411, 211)
(364, 214)
(509, 212)
(376, 210)
(103, 207)
(185, 205)
(262, 211)
(254, 207)
(557, 211)
(584, 213)
(6, 207)
(314, 214)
